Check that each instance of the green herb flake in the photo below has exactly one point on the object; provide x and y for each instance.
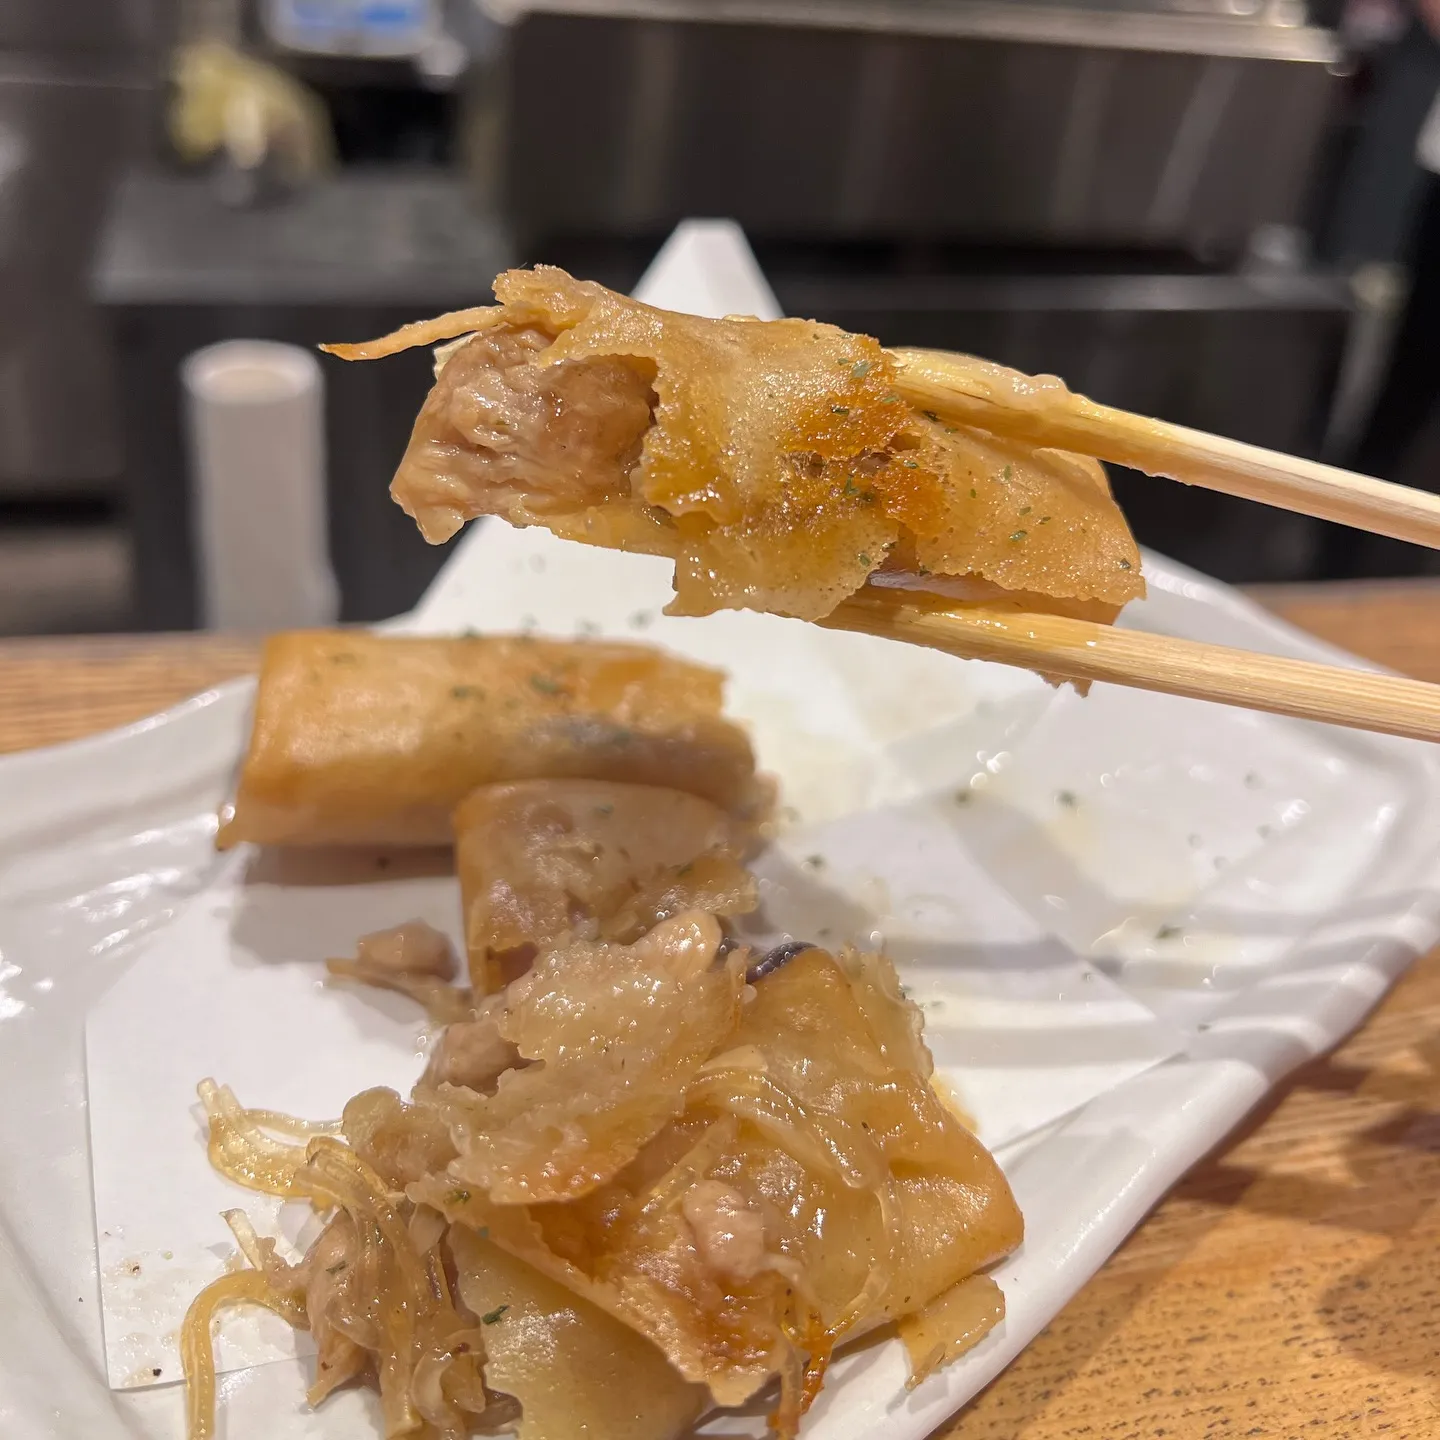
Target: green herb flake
(685, 869)
(910, 464)
(1126, 565)
(1018, 535)
(1168, 932)
(815, 862)
(864, 559)
(861, 370)
(458, 1197)
(1068, 799)
(889, 399)
(336, 1268)
(1005, 474)
(851, 488)
(468, 692)
(545, 685)
(931, 415)
(1024, 509)
(492, 1316)
(1044, 519)
(839, 409)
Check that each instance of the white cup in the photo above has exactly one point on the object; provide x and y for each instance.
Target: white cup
(255, 416)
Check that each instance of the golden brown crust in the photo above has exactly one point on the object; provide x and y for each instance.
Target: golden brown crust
(814, 1117)
(361, 739)
(779, 467)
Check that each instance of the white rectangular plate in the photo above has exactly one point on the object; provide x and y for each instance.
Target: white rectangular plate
(1024, 1030)
(1073, 889)
(1257, 882)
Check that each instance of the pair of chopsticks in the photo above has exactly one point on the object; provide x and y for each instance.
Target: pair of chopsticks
(956, 388)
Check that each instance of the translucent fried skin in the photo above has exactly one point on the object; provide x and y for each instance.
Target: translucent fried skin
(363, 739)
(774, 461)
(614, 1033)
(863, 1198)
(543, 859)
(683, 1184)
(575, 1370)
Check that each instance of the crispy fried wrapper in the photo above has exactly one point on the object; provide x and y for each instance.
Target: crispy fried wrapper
(667, 1170)
(542, 860)
(773, 461)
(744, 1180)
(361, 739)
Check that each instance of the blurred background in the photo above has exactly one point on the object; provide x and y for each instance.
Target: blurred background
(1220, 212)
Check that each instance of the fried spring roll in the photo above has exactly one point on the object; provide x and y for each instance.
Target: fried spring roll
(370, 740)
(542, 859)
(748, 1174)
(775, 462)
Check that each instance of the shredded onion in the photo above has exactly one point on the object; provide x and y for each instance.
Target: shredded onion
(197, 1357)
(399, 1183)
(240, 1149)
(691, 1166)
(392, 1298)
(785, 1120)
(282, 1124)
(260, 1252)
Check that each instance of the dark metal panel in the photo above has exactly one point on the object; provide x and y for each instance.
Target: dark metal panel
(83, 26)
(1275, 29)
(574, 124)
(63, 134)
(787, 99)
(623, 125)
(1261, 162)
(388, 235)
(975, 138)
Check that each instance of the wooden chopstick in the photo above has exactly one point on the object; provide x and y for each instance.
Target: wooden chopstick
(1057, 646)
(954, 388)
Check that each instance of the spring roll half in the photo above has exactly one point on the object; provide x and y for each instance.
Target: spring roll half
(775, 462)
(541, 860)
(667, 1174)
(362, 739)
(744, 1162)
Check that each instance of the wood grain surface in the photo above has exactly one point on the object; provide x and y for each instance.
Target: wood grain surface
(1288, 1288)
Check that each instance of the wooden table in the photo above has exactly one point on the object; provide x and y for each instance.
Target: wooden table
(1289, 1287)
